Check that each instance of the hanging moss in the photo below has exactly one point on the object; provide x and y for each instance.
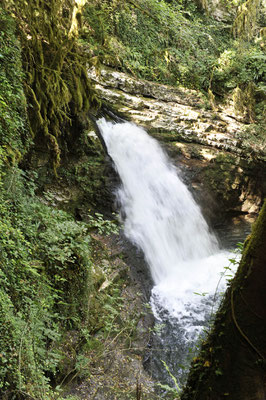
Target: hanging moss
(250, 101)
(56, 82)
(244, 101)
(246, 19)
(238, 100)
(212, 99)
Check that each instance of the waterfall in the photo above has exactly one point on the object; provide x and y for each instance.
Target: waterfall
(162, 218)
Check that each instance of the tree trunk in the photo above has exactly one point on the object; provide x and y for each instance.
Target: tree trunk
(231, 364)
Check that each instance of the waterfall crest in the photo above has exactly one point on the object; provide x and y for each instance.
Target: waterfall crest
(162, 218)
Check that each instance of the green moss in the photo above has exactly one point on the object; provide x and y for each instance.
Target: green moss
(244, 101)
(246, 19)
(14, 136)
(232, 350)
(255, 240)
(56, 84)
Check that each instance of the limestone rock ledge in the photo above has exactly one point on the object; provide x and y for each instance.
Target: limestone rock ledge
(207, 142)
(177, 111)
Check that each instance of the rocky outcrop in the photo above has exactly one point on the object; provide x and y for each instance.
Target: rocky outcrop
(207, 141)
(180, 113)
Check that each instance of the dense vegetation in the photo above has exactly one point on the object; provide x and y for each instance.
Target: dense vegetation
(56, 83)
(46, 255)
(176, 43)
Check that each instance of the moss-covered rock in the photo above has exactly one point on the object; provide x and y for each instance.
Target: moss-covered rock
(231, 363)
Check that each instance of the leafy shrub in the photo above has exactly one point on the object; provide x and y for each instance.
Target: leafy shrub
(168, 43)
(175, 43)
(235, 67)
(45, 255)
(45, 284)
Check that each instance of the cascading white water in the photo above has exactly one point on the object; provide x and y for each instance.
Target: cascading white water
(162, 218)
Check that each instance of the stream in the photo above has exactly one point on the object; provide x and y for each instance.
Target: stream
(189, 265)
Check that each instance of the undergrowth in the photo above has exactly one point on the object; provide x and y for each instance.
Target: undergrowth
(47, 262)
(45, 256)
(45, 280)
(178, 43)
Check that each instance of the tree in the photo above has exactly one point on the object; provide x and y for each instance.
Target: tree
(231, 363)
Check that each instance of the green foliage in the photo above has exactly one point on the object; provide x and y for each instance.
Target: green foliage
(104, 226)
(246, 19)
(56, 82)
(25, 294)
(176, 43)
(235, 67)
(164, 42)
(45, 280)
(13, 133)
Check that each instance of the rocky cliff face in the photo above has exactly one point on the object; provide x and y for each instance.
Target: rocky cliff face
(206, 141)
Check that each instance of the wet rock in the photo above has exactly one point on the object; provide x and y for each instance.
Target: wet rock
(117, 371)
(196, 139)
(165, 108)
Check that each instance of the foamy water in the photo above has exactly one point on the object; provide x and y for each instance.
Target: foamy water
(162, 218)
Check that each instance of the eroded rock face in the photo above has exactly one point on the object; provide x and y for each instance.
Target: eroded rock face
(206, 143)
(221, 181)
(177, 112)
